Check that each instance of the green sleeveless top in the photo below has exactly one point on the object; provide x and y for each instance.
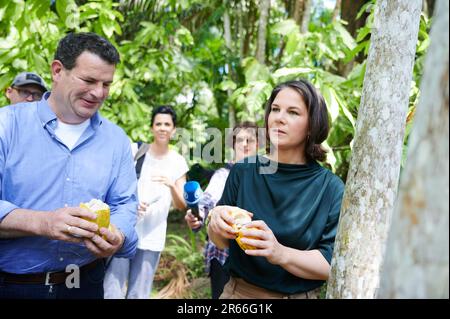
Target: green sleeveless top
(299, 203)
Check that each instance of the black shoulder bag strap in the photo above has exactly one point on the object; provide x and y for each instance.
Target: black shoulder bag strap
(140, 157)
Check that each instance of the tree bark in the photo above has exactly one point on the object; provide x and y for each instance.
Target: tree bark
(297, 12)
(337, 10)
(249, 27)
(375, 165)
(262, 30)
(227, 29)
(430, 7)
(349, 11)
(306, 16)
(228, 44)
(300, 11)
(241, 31)
(417, 253)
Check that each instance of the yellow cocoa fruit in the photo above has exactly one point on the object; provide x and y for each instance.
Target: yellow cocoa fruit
(240, 236)
(101, 209)
(241, 217)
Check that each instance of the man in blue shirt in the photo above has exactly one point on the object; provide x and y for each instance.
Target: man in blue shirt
(55, 154)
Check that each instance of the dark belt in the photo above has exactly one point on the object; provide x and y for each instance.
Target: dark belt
(47, 278)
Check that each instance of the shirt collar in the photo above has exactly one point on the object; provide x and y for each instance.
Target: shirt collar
(46, 114)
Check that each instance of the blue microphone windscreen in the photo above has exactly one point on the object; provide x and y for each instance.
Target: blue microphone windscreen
(192, 192)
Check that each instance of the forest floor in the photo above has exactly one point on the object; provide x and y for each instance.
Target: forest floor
(171, 281)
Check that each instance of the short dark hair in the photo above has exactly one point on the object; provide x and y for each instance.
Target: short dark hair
(164, 109)
(317, 116)
(242, 126)
(74, 44)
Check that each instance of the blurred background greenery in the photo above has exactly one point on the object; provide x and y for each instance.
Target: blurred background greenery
(204, 57)
(216, 62)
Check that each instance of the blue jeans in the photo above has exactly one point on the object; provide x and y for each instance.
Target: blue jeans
(91, 287)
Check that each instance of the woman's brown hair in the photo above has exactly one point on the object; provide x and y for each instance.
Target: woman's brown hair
(317, 116)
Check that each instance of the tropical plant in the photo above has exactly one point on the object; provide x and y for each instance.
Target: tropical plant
(183, 262)
(200, 56)
(175, 53)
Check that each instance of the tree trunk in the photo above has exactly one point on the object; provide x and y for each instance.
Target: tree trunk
(374, 169)
(417, 258)
(227, 35)
(241, 29)
(249, 26)
(297, 13)
(337, 10)
(430, 7)
(227, 30)
(262, 30)
(301, 13)
(349, 11)
(231, 116)
(306, 16)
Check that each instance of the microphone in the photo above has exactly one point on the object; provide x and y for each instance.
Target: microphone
(192, 196)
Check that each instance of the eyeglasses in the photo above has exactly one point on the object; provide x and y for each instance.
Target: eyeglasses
(26, 93)
(249, 140)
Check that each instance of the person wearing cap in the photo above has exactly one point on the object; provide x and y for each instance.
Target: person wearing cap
(26, 87)
(53, 157)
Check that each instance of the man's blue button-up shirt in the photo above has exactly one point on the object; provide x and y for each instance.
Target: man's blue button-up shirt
(39, 172)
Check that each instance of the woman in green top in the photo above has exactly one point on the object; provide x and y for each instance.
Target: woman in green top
(294, 203)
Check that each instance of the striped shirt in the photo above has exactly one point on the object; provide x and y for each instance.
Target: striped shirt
(209, 200)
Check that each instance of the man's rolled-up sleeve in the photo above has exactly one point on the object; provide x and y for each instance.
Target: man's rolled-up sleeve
(122, 198)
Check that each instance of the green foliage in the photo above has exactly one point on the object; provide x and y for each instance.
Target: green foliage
(29, 32)
(312, 56)
(187, 253)
(174, 52)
